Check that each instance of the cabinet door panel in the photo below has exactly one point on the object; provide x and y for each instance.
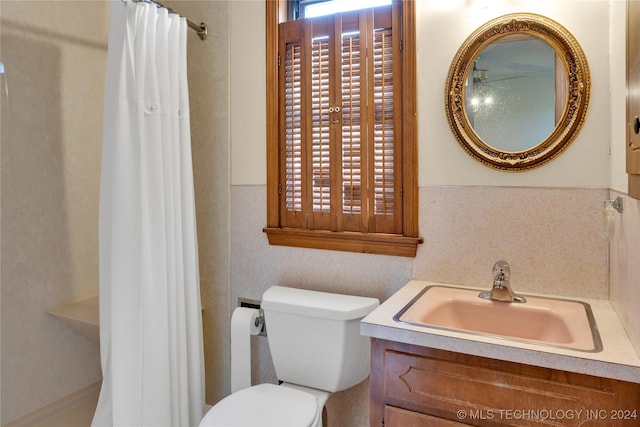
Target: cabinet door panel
(447, 388)
(421, 386)
(633, 97)
(396, 417)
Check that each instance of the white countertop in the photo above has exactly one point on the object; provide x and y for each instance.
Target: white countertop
(617, 360)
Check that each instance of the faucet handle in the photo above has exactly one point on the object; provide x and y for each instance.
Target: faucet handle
(501, 270)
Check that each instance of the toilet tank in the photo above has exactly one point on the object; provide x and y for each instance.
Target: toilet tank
(314, 337)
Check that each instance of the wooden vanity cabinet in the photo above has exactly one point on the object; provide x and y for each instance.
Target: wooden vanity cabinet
(414, 386)
(633, 97)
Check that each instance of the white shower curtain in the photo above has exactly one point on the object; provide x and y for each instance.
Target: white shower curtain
(150, 317)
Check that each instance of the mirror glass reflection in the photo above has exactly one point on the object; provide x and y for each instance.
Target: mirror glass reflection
(515, 92)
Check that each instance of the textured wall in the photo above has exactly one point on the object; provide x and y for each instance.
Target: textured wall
(625, 268)
(550, 237)
(54, 55)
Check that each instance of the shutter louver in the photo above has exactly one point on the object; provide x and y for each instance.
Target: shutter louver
(320, 123)
(351, 125)
(293, 128)
(383, 127)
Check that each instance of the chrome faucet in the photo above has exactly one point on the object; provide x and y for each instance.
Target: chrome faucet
(501, 290)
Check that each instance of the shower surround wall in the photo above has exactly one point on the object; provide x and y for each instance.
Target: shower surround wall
(54, 54)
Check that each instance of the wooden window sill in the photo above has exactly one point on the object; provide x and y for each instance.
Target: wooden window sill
(381, 244)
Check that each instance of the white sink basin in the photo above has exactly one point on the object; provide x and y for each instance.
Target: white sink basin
(548, 321)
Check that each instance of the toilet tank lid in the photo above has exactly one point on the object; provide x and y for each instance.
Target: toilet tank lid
(317, 304)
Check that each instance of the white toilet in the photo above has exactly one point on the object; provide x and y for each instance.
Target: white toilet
(316, 346)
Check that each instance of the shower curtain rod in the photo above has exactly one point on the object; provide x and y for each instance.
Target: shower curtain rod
(201, 29)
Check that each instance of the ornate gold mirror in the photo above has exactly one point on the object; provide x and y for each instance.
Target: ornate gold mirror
(517, 92)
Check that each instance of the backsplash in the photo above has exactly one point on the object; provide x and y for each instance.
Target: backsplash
(549, 236)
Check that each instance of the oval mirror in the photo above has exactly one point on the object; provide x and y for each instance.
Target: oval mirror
(517, 92)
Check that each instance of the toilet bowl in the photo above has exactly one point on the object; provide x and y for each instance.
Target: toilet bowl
(267, 405)
(315, 343)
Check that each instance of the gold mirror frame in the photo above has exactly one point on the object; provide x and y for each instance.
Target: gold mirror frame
(578, 91)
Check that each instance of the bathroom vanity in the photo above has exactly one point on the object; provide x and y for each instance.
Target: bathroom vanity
(424, 376)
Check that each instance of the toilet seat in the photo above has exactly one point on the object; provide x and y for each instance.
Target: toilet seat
(264, 405)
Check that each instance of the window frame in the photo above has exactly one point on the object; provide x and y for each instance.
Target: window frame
(404, 244)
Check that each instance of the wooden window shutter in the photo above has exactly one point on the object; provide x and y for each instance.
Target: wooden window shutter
(345, 108)
(293, 119)
(339, 123)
